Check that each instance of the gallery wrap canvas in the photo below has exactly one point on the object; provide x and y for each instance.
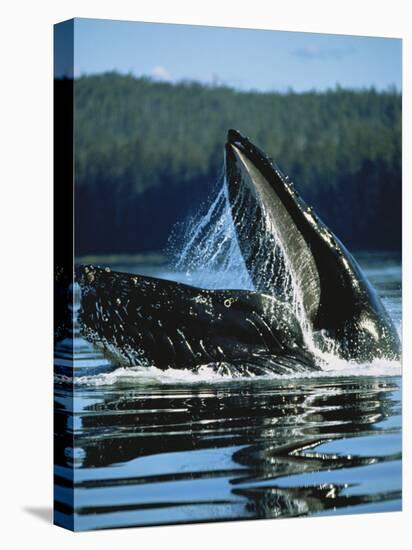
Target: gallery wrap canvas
(227, 290)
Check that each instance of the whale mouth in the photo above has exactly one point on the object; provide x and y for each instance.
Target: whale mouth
(266, 216)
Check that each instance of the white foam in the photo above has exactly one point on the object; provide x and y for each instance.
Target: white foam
(206, 374)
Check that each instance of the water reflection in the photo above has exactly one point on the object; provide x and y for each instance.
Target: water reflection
(194, 452)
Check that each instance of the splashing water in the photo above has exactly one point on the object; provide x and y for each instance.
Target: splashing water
(211, 246)
(152, 375)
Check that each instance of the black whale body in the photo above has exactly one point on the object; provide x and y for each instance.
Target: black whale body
(149, 321)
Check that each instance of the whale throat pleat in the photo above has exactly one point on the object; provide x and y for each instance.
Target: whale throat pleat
(275, 251)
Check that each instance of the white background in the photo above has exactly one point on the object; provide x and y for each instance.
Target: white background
(26, 272)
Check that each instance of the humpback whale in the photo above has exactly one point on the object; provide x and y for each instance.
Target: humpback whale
(142, 320)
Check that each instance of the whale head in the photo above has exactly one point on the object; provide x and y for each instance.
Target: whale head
(278, 233)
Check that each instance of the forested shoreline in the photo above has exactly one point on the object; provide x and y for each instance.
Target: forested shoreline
(148, 153)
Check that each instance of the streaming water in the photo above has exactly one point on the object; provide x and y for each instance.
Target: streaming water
(208, 254)
(209, 246)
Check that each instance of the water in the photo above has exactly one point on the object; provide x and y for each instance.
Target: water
(160, 448)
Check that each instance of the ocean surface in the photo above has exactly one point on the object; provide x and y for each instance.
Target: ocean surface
(145, 447)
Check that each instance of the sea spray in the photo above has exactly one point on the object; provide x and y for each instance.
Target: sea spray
(210, 257)
(209, 246)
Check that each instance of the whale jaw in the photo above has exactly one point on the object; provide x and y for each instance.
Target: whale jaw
(264, 218)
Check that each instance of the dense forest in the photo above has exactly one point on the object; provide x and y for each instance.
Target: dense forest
(148, 153)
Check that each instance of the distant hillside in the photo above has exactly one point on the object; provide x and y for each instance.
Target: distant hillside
(148, 152)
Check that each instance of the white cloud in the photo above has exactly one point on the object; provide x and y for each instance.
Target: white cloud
(314, 51)
(161, 72)
(310, 50)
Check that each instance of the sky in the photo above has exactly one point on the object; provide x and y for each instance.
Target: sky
(242, 58)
